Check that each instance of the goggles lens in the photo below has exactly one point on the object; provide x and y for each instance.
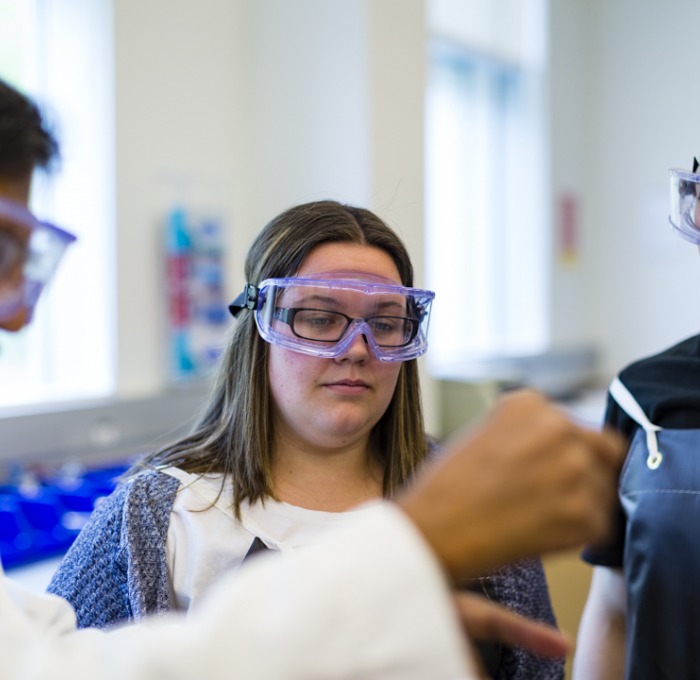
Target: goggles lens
(322, 317)
(685, 208)
(324, 326)
(30, 251)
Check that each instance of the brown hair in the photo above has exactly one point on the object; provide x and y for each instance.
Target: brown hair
(235, 435)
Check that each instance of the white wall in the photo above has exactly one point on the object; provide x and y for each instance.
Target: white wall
(622, 111)
(641, 110)
(568, 120)
(180, 128)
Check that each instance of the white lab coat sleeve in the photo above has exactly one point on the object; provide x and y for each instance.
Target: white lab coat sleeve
(370, 601)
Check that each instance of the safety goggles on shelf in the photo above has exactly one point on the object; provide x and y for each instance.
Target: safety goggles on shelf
(685, 206)
(322, 316)
(30, 251)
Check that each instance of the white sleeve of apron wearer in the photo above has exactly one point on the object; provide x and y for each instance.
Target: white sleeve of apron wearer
(369, 601)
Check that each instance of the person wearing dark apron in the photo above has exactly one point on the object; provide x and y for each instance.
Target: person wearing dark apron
(641, 617)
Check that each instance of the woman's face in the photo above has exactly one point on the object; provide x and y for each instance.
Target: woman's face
(330, 403)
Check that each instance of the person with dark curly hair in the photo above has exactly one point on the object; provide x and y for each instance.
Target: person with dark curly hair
(29, 249)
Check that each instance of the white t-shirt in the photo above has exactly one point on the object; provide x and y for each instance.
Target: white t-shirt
(205, 541)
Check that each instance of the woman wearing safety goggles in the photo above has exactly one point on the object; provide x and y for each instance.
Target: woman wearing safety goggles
(316, 414)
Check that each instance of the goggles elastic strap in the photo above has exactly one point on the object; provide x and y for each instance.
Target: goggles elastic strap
(248, 299)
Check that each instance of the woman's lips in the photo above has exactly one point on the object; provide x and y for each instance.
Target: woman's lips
(348, 386)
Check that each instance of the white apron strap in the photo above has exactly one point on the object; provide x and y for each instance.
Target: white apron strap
(632, 408)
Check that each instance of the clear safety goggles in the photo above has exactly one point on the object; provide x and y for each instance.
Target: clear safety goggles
(322, 316)
(685, 206)
(30, 251)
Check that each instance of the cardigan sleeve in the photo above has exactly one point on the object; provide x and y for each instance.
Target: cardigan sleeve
(147, 509)
(92, 575)
(116, 569)
(522, 588)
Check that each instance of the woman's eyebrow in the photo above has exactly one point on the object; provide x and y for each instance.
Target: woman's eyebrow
(317, 298)
(390, 304)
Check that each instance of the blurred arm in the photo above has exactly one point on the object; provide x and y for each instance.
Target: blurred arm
(600, 648)
(370, 601)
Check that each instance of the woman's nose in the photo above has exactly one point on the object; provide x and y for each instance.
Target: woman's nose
(357, 351)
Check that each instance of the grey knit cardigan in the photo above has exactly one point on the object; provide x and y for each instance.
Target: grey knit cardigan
(116, 571)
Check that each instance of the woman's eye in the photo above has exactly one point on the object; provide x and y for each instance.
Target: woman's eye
(321, 321)
(385, 325)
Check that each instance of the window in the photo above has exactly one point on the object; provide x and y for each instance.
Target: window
(60, 54)
(487, 246)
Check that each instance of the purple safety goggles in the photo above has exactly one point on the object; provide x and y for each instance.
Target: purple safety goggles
(322, 316)
(30, 251)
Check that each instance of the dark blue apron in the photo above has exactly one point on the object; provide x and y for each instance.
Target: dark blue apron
(660, 494)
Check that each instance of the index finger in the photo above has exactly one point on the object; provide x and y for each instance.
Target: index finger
(485, 621)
